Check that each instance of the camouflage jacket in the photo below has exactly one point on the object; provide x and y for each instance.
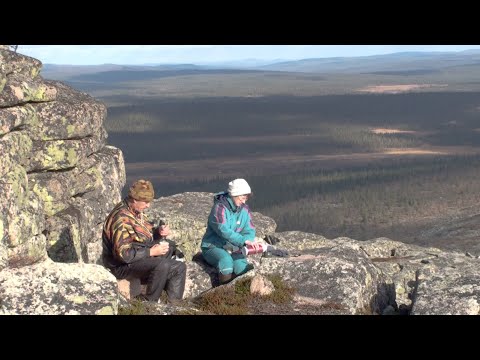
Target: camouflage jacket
(127, 236)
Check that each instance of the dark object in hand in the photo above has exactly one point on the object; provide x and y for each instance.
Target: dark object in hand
(175, 250)
(270, 239)
(178, 253)
(160, 224)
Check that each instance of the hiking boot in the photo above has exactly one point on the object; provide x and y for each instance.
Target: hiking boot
(224, 278)
(247, 269)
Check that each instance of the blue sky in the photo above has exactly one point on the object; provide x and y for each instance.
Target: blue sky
(203, 54)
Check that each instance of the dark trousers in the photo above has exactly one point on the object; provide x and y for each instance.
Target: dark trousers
(159, 273)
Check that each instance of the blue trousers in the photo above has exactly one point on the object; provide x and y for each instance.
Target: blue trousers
(225, 262)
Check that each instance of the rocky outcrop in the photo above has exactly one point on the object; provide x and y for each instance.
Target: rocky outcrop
(59, 178)
(447, 284)
(50, 288)
(379, 276)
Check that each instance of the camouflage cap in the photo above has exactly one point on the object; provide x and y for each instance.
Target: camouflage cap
(141, 190)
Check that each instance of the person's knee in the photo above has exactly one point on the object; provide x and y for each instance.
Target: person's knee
(179, 267)
(219, 259)
(209, 258)
(225, 265)
(162, 266)
(241, 267)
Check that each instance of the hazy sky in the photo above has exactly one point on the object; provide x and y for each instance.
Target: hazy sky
(198, 54)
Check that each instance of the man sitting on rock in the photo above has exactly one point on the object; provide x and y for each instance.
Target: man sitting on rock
(129, 248)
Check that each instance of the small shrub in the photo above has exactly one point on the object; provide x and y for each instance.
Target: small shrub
(238, 300)
(283, 293)
(136, 307)
(242, 287)
(224, 301)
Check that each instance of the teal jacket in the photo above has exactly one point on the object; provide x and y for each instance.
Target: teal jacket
(228, 225)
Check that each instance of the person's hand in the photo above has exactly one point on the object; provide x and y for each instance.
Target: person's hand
(164, 230)
(256, 245)
(159, 249)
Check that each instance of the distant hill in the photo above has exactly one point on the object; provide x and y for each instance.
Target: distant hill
(120, 73)
(62, 72)
(402, 64)
(422, 62)
(76, 72)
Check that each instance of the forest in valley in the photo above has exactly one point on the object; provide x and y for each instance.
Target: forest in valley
(359, 154)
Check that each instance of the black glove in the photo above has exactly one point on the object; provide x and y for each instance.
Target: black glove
(178, 253)
(270, 239)
(271, 251)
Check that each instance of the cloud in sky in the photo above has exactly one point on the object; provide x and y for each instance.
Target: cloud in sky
(201, 54)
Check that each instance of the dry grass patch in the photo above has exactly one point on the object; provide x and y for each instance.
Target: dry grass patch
(413, 151)
(391, 131)
(395, 89)
(136, 307)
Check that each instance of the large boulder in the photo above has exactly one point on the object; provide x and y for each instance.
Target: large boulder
(72, 115)
(59, 178)
(50, 288)
(450, 285)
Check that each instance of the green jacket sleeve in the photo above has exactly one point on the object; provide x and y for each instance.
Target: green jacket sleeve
(248, 229)
(219, 223)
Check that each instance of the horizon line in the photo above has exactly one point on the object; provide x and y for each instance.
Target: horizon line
(273, 60)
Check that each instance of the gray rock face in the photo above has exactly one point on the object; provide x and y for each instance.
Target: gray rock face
(199, 279)
(336, 275)
(21, 89)
(59, 179)
(12, 63)
(427, 280)
(55, 288)
(448, 285)
(369, 277)
(16, 148)
(73, 115)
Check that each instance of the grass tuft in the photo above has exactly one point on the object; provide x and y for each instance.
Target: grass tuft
(238, 300)
(283, 292)
(224, 301)
(136, 307)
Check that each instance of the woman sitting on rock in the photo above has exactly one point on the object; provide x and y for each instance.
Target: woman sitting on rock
(229, 228)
